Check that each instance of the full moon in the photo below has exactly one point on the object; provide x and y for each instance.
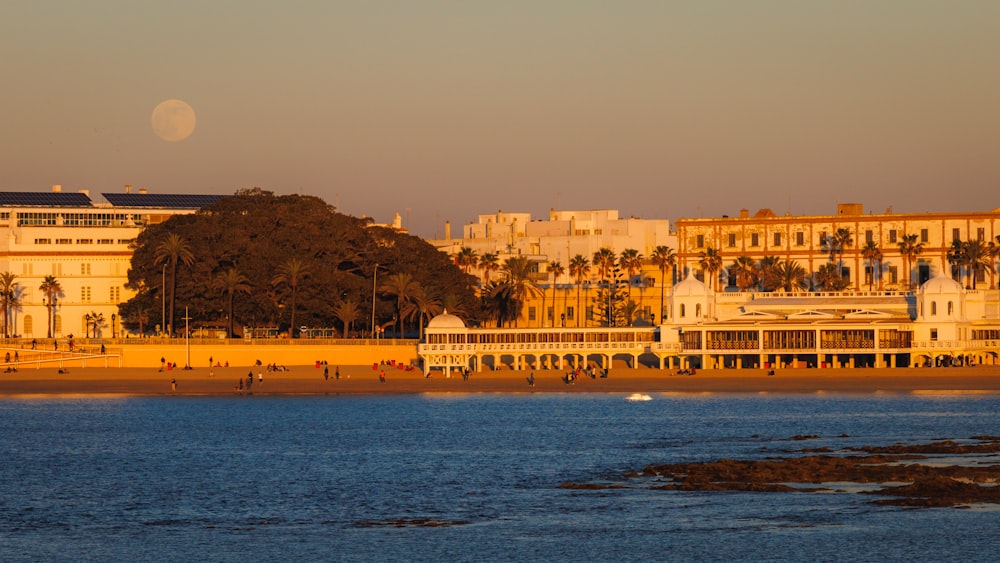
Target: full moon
(173, 120)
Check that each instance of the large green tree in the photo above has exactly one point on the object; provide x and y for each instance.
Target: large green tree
(171, 250)
(257, 231)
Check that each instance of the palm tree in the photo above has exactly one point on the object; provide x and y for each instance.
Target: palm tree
(840, 241)
(347, 311)
(994, 251)
(957, 259)
(710, 260)
(230, 281)
(488, 263)
(830, 278)
(769, 272)
(792, 275)
(665, 259)
(910, 248)
(8, 285)
(744, 270)
(604, 261)
(873, 255)
(978, 257)
(556, 269)
(291, 272)
(466, 258)
(453, 305)
(96, 320)
(518, 272)
(631, 261)
(171, 251)
(579, 268)
(52, 289)
(424, 305)
(403, 287)
(499, 302)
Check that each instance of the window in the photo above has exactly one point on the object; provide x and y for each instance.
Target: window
(700, 241)
(869, 275)
(980, 234)
(116, 294)
(85, 241)
(892, 235)
(822, 238)
(105, 241)
(924, 236)
(43, 241)
(754, 239)
(531, 313)
(548, 313)
(933, 334)
(85, 269)
(56, 269)
(697, 310)
(732, 239)
(933, 308)
(64, 241)
(590, 312)
(869, 236)
(683, 310)
(800, 238)
(29, 324)
(892, 273)
(777, 239)
(85, 294)
(570, 313)
(28, 268)
(951, 308)
(956, 235)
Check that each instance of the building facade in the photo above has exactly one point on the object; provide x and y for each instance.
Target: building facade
(85, 245)
(808, 240)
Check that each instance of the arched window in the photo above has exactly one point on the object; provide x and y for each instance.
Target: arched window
(933, 308)
(57, 329)
(29, 325)
(951, 308)
(697, 311)
(683, 310)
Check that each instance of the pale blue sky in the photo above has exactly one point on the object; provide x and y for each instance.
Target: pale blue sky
(450, 109)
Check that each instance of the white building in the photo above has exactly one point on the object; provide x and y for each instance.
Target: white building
(85, 246)
(559, 238)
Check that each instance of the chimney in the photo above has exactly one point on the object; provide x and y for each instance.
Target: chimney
(56, 188)
(128, 188)
(447, 230)
(143, 191)
(744, 213)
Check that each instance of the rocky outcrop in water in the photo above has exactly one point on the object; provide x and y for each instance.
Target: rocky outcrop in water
(904, 471)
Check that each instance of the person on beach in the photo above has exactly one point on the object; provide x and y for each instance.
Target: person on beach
(381, 376)
(173, 385)
(326, 373)
(336, 373)
(531, 379)
(260, 377)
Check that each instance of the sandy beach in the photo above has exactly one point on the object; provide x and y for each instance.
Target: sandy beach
(359, 380)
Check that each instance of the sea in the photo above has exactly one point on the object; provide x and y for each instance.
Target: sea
(460, 478)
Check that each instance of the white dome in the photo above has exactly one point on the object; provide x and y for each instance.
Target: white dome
(690, 287)
(941, 284)
(445, 321)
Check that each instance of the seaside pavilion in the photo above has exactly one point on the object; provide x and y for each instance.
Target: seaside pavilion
(941, 324)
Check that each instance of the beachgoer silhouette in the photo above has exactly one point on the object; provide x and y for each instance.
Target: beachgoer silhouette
(173, 384)
(531, 379)
(326, 374)
(336, 373)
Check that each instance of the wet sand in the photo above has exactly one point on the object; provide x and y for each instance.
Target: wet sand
(359, 380)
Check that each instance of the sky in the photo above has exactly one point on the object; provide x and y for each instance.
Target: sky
(445, 109)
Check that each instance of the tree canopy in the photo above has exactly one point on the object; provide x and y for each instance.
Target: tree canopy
(259, 233)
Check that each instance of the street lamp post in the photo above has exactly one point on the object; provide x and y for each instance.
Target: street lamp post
(163, 297)
(374, 282)
(113, 326)
(87, 316)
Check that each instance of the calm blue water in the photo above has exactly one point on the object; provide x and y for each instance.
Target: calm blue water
(227, 479)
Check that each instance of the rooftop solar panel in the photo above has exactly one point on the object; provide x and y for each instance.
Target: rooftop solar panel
(162, 201)
(45, 199)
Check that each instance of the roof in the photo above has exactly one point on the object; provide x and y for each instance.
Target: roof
(45, 199)
(162, 201)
